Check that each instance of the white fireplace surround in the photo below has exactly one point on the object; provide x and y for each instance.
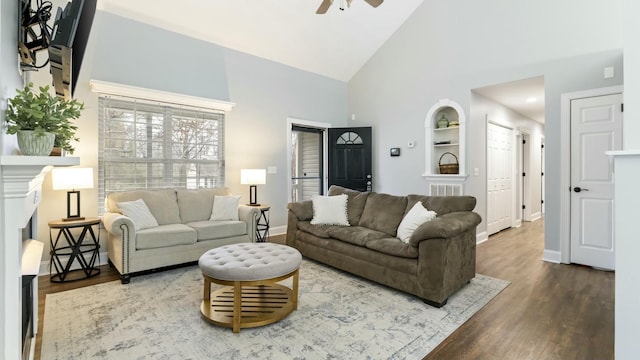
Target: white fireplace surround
(21, 179)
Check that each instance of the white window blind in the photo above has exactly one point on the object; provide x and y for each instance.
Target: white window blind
(147, 145)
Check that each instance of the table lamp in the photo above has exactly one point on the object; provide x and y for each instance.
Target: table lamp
(72, 179)
(253, 177)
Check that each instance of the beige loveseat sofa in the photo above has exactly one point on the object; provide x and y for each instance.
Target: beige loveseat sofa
(439, 258)
(184, 230)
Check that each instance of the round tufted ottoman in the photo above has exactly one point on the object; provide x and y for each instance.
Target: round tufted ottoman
(250, 272)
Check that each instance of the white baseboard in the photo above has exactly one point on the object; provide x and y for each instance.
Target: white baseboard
(551, 256)
(482, 237)
(278, 230)
(536, 216)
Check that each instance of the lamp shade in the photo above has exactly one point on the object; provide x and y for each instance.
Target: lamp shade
(72, 178)
(253, 176)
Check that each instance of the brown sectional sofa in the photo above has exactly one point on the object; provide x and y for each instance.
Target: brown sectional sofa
(439, 259)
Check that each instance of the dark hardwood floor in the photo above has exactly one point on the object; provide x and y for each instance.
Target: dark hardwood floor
(550, 311)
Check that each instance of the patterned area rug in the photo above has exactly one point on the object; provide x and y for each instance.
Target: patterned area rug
(339, 316)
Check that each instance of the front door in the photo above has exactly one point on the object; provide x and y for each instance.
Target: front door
(596, 127)
(350, 158)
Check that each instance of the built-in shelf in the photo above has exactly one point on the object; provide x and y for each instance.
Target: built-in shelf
(447, 139)
(450, 128)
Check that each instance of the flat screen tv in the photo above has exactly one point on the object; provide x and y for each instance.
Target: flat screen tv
(68, 43)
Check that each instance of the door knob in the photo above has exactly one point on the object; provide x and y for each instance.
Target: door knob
(578, 189)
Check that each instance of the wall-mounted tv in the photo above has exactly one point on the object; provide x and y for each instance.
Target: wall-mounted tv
(68, 43)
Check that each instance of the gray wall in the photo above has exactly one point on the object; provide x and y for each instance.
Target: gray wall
(266, 93)
(10, 78)
(447, 48)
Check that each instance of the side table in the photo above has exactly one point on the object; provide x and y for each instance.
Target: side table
(262, 224)
(83, 249)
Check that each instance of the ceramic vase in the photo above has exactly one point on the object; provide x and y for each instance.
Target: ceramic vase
(32, 144)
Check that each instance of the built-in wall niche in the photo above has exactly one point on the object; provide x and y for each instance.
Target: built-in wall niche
(445, 134)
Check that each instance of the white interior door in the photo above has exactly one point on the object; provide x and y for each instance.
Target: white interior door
(499, 177)
(596, 127)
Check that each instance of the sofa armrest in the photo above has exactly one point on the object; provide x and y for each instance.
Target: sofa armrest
(114, 223)
(445, 226)
(303, 210)
(249, 214)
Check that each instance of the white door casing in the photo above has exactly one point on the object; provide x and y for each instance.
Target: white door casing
(499, 178)
(596, 127)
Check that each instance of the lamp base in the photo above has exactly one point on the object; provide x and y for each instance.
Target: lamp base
(73, 218)
(253, 204)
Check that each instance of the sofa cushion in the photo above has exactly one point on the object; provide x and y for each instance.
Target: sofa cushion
(393, 246)
(383, 212)
(196, 205)
(330, 210)
(225, 207)
(218, 229)
(303, 210)
(355, 234)
(355, 202)
(317, 230)
(417, 216)
(162, 203)
(165, 236)
(443, 204)
(349, 252)
(139, 213)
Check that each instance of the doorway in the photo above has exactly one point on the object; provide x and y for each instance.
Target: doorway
(591, 125)
(307, 162)
(596, 127)
(499, 178)
(350, 158)
(306, 159)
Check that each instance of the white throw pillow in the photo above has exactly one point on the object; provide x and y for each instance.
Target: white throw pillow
(139, 213)
(225, 207)
(330, 210)
(417, 216)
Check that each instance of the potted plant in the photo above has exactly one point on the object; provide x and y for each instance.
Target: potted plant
(42, 117)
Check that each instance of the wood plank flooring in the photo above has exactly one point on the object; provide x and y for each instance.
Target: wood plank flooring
(550, 311)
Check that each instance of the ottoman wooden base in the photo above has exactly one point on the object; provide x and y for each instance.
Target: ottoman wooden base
(247, 304)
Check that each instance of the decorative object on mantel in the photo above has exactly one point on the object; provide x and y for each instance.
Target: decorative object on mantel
(443, 122)
(42, 113)
(72, 179)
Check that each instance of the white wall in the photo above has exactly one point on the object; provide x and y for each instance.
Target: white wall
(447, 48)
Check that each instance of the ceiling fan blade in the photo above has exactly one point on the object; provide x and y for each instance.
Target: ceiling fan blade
(324, 6)
(374, 3)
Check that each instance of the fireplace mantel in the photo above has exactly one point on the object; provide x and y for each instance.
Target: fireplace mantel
(21, 179)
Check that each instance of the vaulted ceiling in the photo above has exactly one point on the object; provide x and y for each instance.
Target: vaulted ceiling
(336, 44)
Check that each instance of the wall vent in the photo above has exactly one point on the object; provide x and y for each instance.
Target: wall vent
(445, 189)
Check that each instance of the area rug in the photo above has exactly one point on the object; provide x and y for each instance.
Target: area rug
(339, 316)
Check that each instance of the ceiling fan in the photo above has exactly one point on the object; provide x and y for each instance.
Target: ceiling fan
(324, 6)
